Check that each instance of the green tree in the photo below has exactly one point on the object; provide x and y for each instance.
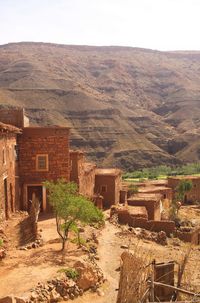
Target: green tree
(70, 207)
(183, 187)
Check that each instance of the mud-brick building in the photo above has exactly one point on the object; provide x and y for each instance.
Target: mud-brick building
(8, 180)
(108, 184)
(165, 192)
(194, 194)
(152, 202)
(82, 173)
(43, 155)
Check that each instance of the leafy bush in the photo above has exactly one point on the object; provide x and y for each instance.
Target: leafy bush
(71, 273)
(1, 242)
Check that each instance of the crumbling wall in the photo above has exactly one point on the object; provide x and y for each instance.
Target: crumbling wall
(28, 227)
(166, 226)
(124, 217)
(27, 230)
(189, 236)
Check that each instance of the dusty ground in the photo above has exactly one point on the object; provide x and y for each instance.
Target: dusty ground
(21, 270)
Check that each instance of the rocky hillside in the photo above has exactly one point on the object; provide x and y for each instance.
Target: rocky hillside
(128, 107)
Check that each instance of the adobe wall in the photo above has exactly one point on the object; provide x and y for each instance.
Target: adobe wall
(111, 196)
(192, 236)
(124, 217)
(118, 186)
(76, 165)
(87, 182)
(123, 196)
(7, 171)
(53, 141)
(167, 226)
(82, 173)
(194, 194)
(14, 117)
(152, 206)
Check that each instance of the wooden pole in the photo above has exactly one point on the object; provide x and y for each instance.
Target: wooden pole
(145, 295)
(152, 294)
(177, 288)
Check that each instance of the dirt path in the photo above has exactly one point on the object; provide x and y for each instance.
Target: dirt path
(109, 252)
(22, 270)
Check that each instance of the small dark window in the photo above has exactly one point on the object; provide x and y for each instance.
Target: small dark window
(103, 188)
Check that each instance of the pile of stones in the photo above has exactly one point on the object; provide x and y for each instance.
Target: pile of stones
(3, 244)
(140, 233)
(35, 244)
(64, 288)
(55, 290)
(158, 237)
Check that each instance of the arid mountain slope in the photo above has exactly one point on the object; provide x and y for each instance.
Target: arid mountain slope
(129, 107)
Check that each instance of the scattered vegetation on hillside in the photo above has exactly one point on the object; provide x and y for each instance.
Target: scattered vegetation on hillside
(163, 171)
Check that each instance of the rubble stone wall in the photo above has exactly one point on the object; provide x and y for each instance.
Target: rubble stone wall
(167, 226)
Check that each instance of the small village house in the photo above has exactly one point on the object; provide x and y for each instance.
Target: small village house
(194, 194)
(108, 184)
(43, 155)
(152, 202)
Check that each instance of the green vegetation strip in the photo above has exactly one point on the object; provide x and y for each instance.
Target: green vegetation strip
(162, 172)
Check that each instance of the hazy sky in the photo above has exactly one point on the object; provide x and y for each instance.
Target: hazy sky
(157, 24)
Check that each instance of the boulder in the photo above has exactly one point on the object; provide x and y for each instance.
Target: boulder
(87, 276)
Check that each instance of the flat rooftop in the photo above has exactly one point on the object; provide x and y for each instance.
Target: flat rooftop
(41, 131)
(138, 211)
(108, 172)
(145, 197)
(150, 189)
